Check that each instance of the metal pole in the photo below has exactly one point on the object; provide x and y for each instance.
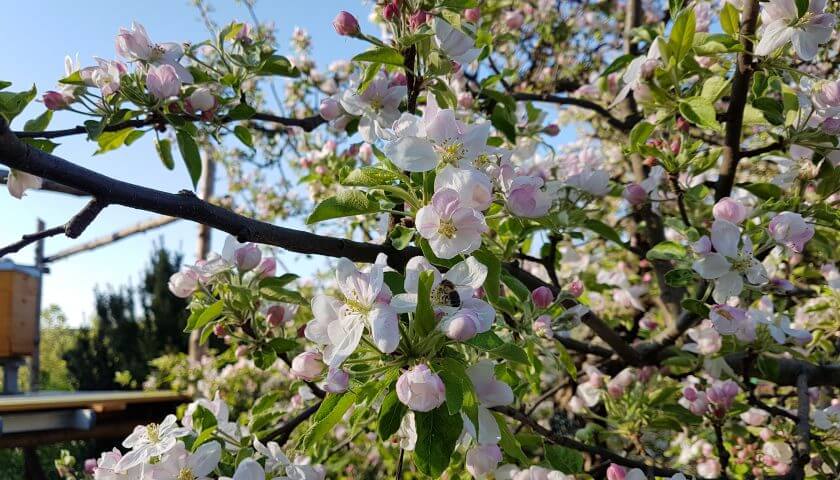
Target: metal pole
(35, 361)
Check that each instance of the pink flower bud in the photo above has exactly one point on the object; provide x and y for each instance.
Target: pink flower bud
(390, 12)
(730, 210)
(242, 351)
(266, 268)
(337, 381)
(275, 315)
(619, 384)
(90, 466)
(56, 100)
(329, 109)
(184, 283)
(542, 326)
(542, 297)
(690, 394)
(421, 389)
(616, 472)
(472, 15)
(576, 288)
(682, 125)
(201, 100)
(552, 130)
(307, 366)
(483, 459)
(345, 24)
(398, 80)
(244, 36)
(163, 82)
(635, 194)
(417, 19)
(219, 330)
(514, 20)
(463, 325)
(247, 257)
(465, 100)
(676, 144)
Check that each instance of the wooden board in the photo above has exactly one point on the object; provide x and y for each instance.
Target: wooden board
(18, 307)
(99, 400)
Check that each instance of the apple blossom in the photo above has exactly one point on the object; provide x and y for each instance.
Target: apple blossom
(730, 210)
(791, 230)
(330, 109)
(633, 75)
(420, 389)
(728, 265)
(181, 463)
(266, 268)
(707, 341)
(152, 440)
(201, 100)
(377, 106)
(635, 194)
(709, 468)
(616, 472)
(281, 314)
(307, 366)
(733, 321)
(456, 44)
(782, 24)
(542, 326)
(107, 76)
(619, 384)
(593, 182)
(450, 228)
(483, 459)
(337, 380)
(779, 325)
(19, 182)
(135, 45)
(163, 82)
(474, 187)
(472, 14)
(339, 322)
(755, 417)
(418, 18)
(514, 19)
(247, 257)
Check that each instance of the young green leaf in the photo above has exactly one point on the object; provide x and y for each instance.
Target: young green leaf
(346, 203)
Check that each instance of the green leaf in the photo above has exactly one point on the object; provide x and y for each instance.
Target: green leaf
(244, 136)
(39, 123)
(369, 177)
(772, 109)
(696, 307)
(243, 111)
(4, 84)
(714, 87)
(618, 64)
(494, 270)
(491, 343)
(503, 121)
(437, 436)
(424, 321)
(566, 359)
(113, 140)
(509, 443)
(764, 191)
(666, 250)
(206, 316)
(278, 65)
(278, 282)
(640, 133)
(12, 103)
(265, 402)
(682, 34)
(680, 277)
(283, 345)
(401, 236)
(564, 459)
(164, 150)
(699, 111)
(345, 204)
(802, 7)
(74, 78)
(386, 55)
(390, 415)
(330, 412)
(458, 384)
(604, 231)
(189, 152)
(41, 144)
(730, 18)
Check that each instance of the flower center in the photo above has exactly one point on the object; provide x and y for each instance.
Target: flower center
(356, 306)
(452, 152)
(447, 228)
(376, 104)
(186, 474)
(153, 432)
(741, 263)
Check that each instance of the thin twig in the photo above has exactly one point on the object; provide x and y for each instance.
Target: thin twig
(29, 239)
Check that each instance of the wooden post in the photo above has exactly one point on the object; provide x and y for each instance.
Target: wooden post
(35, 360)
(203, 243)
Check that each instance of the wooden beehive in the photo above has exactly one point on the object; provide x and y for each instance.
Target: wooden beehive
(18, 309)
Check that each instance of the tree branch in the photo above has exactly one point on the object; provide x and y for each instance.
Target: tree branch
(282, 433)
(567, 442)
(73, 228)
(738, 102)
(803, 427)
(619, 124)
(307, 124)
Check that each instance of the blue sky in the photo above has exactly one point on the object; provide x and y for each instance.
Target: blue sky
(41, 41)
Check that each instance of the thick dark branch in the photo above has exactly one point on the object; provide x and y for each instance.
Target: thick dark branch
(738, 102)
(803, 427)
(567, 442)
(723, 453)
(619, 124)
(307, 124)
(29, 239)
(186, 205)
(583, 347)
(762, 150)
